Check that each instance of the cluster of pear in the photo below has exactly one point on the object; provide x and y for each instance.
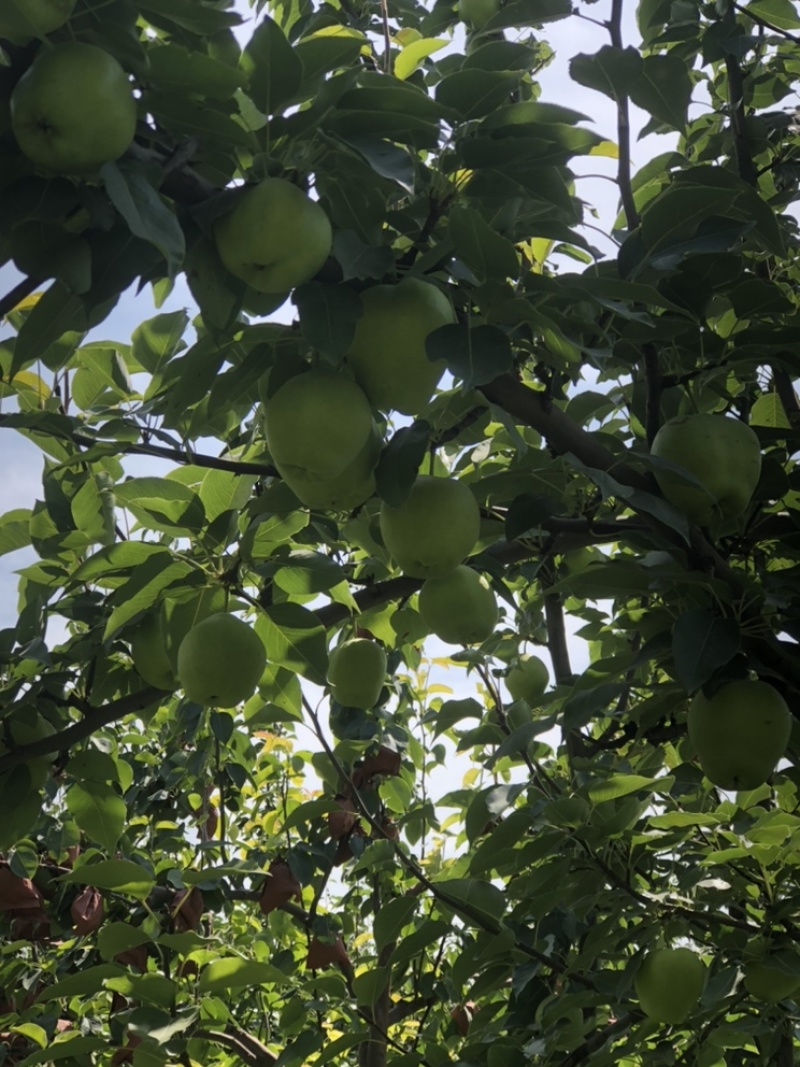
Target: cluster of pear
(429, 536)
(215, 657)
(276, 238)
(741, 731)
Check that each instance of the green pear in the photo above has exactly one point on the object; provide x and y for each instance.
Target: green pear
(348, 490)
(275, 238)
(527, 679)
(317, 423)
(459, 607)
(764, 977)
(220, 661)
(669, 984)
(73, 109)
(20, 20)
(388, 354)
(149, 653)
(723, 454)
(357, 672)
(434, 529)
(739, 733)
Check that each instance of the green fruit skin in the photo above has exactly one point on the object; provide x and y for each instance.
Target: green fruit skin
(20, 20)
(316, 426)
(434, 530)
(357, 672)
(348, 490)
(73, 109)
(220, 661)
(740, 733)
(275, 238)
(388, 350)
(459, 607)
(179, 616)
(527, 679)
(149, 654)
(724, 455)
(478, 12)
(669, 984)
(768, 983)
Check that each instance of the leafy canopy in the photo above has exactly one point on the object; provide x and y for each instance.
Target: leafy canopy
(285, 881)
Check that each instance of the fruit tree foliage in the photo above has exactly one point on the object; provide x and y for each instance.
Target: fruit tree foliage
(285, 881)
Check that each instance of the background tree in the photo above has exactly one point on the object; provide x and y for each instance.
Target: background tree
(176, 885)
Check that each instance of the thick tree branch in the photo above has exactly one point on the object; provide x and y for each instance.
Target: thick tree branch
(95, 719)
(533, 408)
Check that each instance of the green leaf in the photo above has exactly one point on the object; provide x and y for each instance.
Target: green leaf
(121, 876)
(85, 983)
(116, 937)
(359, 259)
(767, 411)
(471, 897)
(400, 461)
(481, 247)
(702, 643)
(780, 13)
(98, 810)
(233, 972)
(295, 638)
(176, 69)
(391, 919)
(272, 66)
(454, 711)
(223, 491)
(328, 316)
(664, 89)
(611, 71)
(155, 341)
(65, 1047)
(143, 589)
(474, 93)
(92, 510)
(476, 356)
(146, 214)
(199, 18)
(413, 55)
(56, 317)
(162, 504)
(264, 534)
(622, 785)
(14, 530)
(151, 988)
(386, 159)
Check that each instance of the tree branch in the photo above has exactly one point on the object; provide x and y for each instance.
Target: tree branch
(251, 1051)
(533, 408)
(16, 295)
(759, 21)
(623, 130)
(95, 719)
